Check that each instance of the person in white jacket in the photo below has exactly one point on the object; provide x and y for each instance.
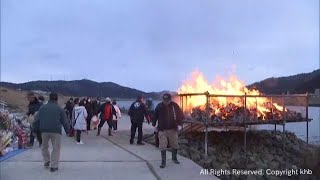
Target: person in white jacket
(116, 118)
(79, 116)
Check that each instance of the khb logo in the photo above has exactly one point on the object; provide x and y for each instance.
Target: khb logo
(305, 171)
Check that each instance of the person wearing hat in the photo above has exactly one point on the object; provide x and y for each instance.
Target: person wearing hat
(138, 110)
(169, 115)
(33, 107)
(107, 112)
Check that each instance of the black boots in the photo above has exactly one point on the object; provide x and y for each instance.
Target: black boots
(174, 156)
(99, 130)
(109, 132)
(47, 164)
(53, 169)
(164, 159)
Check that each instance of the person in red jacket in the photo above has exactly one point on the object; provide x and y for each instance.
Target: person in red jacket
(107, 112)
(169, 115)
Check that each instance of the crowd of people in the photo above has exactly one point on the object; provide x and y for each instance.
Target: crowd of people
(83, 115)
(86, 115)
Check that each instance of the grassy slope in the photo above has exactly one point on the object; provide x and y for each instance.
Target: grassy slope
(17, 99)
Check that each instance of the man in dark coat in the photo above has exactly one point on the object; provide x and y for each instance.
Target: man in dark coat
(107, 112)
(90, 111)
(69, 107)
(169, 115)
(138, 110)
(33, 107)
(96, 104)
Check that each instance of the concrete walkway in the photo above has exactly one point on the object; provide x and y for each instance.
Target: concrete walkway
(101, 158)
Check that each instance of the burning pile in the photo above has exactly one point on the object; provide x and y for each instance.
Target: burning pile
(232, 104)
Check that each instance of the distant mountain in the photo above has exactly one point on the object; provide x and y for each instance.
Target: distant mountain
(82, 87)
(300, 83)
(160, 94)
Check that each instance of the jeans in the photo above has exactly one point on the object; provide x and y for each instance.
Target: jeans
(115, 125)
(89, 122)
(78, 135)
(134, 126)
(102, 123)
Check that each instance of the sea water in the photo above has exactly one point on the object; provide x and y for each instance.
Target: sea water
(300, 128)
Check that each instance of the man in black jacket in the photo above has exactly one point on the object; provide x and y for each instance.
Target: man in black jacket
(96, 104)
(138, 110)
(90, 111)
(33, 107)
(69, 108)
(169, 115)
(107, 112)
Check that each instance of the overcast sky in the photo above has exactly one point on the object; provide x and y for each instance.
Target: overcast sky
(154, 45)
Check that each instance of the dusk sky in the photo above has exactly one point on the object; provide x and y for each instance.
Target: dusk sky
(153, 45)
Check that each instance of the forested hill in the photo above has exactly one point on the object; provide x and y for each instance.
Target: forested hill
(300, 83)
(83, 88)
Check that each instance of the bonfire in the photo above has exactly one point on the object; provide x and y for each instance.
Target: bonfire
(231, 100)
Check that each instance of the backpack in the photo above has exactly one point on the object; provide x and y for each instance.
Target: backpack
(107, 112)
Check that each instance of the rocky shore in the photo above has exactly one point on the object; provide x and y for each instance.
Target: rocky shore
(264, 151)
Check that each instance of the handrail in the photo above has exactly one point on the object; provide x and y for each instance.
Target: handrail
(254, 96)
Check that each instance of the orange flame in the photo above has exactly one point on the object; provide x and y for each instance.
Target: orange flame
(233, 86)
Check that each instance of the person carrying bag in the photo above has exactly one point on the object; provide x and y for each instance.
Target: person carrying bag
(80, 123)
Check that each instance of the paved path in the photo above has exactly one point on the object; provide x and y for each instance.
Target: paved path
(101, 158)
